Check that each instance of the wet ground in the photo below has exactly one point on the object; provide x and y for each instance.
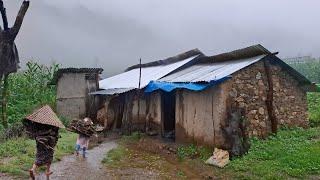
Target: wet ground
(77, 168)
(151, 158)
(145, 159)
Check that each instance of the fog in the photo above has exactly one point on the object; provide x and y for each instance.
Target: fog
(114, 34)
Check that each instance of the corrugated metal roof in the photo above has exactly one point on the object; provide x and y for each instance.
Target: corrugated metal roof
(210, 71)
(170, 60)
(130, 79)
(244, 53)
(111, 91)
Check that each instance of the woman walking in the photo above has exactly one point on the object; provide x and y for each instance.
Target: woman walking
(43, 126)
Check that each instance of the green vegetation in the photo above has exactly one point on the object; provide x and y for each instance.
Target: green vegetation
(311, 70)
(291, 153)
(115, 155)
(193, 151)
(28, 90)
(314, 109)
(181, 174)
(17, 155)
(124, 160)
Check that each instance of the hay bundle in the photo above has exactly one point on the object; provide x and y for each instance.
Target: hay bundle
(82, 126)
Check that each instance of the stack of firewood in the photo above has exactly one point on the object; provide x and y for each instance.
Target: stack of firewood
(44, 134)
(82, 126)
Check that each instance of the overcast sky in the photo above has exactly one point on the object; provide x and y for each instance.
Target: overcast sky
(114, 34)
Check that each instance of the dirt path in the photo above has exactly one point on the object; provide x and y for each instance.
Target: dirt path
(74, 168)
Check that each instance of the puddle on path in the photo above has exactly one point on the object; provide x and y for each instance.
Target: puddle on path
(77, 168)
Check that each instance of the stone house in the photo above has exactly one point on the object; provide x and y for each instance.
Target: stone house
(249, 90)
(73, 86)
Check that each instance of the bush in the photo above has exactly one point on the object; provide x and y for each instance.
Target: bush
(311, 70)
(30, 89)
(13, 131)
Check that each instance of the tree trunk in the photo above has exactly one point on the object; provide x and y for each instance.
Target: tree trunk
(4, 102)
(9, 58)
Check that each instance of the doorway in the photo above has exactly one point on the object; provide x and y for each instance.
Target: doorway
(168, 102)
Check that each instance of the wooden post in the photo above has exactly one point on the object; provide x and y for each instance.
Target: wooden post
(269, 101)
(139, 92)
(127, 113)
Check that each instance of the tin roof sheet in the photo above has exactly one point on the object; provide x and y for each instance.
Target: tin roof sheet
(207, 72)
(111, 91)
(130, 79)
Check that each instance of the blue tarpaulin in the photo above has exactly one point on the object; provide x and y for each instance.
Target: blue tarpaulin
(170, 86)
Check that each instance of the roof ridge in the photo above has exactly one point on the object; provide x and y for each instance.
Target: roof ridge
(243, 53)
(169, 60)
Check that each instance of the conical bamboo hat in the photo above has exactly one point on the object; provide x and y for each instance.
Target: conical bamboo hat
(45, 115)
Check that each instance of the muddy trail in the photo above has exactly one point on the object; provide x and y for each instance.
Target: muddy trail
(74, 168)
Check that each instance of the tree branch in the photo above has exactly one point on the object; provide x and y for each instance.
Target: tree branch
(22, 12)
(4, 16)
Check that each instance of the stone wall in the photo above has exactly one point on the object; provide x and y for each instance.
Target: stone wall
(290, 100)
(249, 93)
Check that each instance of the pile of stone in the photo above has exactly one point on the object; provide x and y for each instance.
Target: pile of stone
(82, 126)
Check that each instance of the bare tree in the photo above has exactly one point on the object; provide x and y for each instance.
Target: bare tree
(9, 58)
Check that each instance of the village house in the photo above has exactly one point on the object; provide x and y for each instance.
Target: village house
(73, 86)
(196, 98)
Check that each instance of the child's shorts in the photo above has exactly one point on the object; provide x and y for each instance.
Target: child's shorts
(78, 148)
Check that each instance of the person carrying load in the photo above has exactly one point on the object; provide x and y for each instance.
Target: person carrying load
(43, 126)
(85, 129)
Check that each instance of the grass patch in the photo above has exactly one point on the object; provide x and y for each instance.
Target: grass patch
(134, 137)
(291, 153)
(115, 155)
(139, 163)
(17, 155)
(192, 151)
(181, 174)
(314, 109)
